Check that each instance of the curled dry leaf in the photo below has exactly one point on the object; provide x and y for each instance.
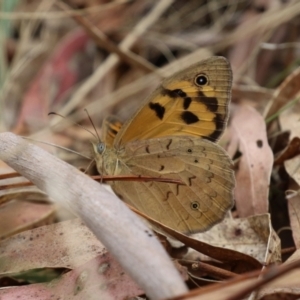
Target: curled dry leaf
(248, 131)
(292, 150)
(293, 203)
(253, 236)
(292, 167)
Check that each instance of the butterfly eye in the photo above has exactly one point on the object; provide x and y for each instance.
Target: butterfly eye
(195, 205)
(201, 80)
(101, 147)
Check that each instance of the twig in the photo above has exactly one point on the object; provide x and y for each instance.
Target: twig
(126, 237)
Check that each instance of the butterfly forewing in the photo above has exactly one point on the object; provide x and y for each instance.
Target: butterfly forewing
(184, 105)
(203, 167)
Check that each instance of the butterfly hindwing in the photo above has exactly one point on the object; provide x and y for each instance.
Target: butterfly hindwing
(204, 169)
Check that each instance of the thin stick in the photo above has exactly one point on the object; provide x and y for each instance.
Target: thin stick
(97, 177)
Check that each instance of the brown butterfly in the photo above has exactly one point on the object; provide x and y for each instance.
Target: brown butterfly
(173, 135)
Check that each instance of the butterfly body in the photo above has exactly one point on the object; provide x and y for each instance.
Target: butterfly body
(173, 136)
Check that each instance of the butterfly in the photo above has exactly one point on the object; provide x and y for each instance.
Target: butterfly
(173, 135)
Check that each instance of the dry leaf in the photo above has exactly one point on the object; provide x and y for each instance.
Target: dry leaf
(17, 216)
(292, 166)
(253, 236)
(73, 242)
(101, 277)
(290, 152)
(248, 130)
(215, 252)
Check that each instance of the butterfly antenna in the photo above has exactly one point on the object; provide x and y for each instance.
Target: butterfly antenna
(102, 167)
(56, 146)
(92, 124)
(90, 165)
(56, 114)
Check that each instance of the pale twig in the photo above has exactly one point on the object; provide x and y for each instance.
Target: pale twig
(123, 233)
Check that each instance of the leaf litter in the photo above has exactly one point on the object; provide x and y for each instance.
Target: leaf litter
(52, 62)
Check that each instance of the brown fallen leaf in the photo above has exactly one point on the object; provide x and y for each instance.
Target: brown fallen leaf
(289, 152)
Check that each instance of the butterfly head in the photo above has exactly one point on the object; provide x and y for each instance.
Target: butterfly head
(105, 158)
(99, 149)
